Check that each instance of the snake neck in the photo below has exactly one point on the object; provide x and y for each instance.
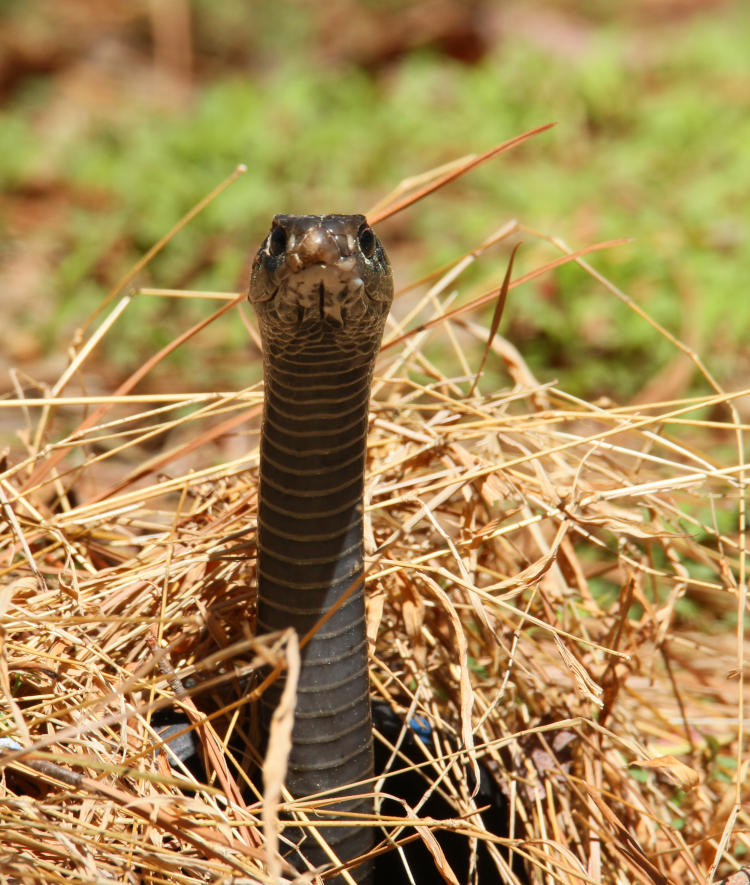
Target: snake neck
(310, 553)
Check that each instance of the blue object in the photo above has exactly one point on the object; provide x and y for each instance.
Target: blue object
(421, 728)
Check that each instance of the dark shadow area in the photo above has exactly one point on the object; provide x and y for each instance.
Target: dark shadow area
(408, 788)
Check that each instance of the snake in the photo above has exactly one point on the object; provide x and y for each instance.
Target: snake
(321, 287)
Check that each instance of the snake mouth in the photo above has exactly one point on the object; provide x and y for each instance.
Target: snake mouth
(330, 311)
(319, 293)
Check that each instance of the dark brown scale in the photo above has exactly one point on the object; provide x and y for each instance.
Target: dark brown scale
(321, 301)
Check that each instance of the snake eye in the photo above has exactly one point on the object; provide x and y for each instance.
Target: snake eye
(276, 240)
(367, 241)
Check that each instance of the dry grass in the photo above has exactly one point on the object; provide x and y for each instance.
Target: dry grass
(532, 557)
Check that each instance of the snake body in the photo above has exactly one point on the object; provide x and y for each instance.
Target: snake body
(321, 287)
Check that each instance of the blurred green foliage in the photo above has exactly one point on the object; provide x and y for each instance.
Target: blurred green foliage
(652, 142)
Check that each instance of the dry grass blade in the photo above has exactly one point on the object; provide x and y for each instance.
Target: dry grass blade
(556, 587)
(277, 757)
(157, 247)
(490, 296)
(49, 464)
(502, 295)
(380, 214)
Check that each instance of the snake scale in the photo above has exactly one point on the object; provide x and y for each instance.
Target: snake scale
(321, 287)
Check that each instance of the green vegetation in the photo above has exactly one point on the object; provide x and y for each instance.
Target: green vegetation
(652, 142)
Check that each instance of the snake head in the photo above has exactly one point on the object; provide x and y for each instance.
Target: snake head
(323, 272)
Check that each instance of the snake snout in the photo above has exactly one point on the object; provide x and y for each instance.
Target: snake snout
(316, 246)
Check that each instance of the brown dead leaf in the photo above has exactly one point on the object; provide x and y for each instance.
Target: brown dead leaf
(680, 774)
(741, 877)
(277, 756)
(412, 611)
(433, 846)
(583, 684)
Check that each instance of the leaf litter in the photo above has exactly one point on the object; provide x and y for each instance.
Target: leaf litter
(530, 559)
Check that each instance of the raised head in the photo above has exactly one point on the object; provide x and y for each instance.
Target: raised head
(321, 272)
